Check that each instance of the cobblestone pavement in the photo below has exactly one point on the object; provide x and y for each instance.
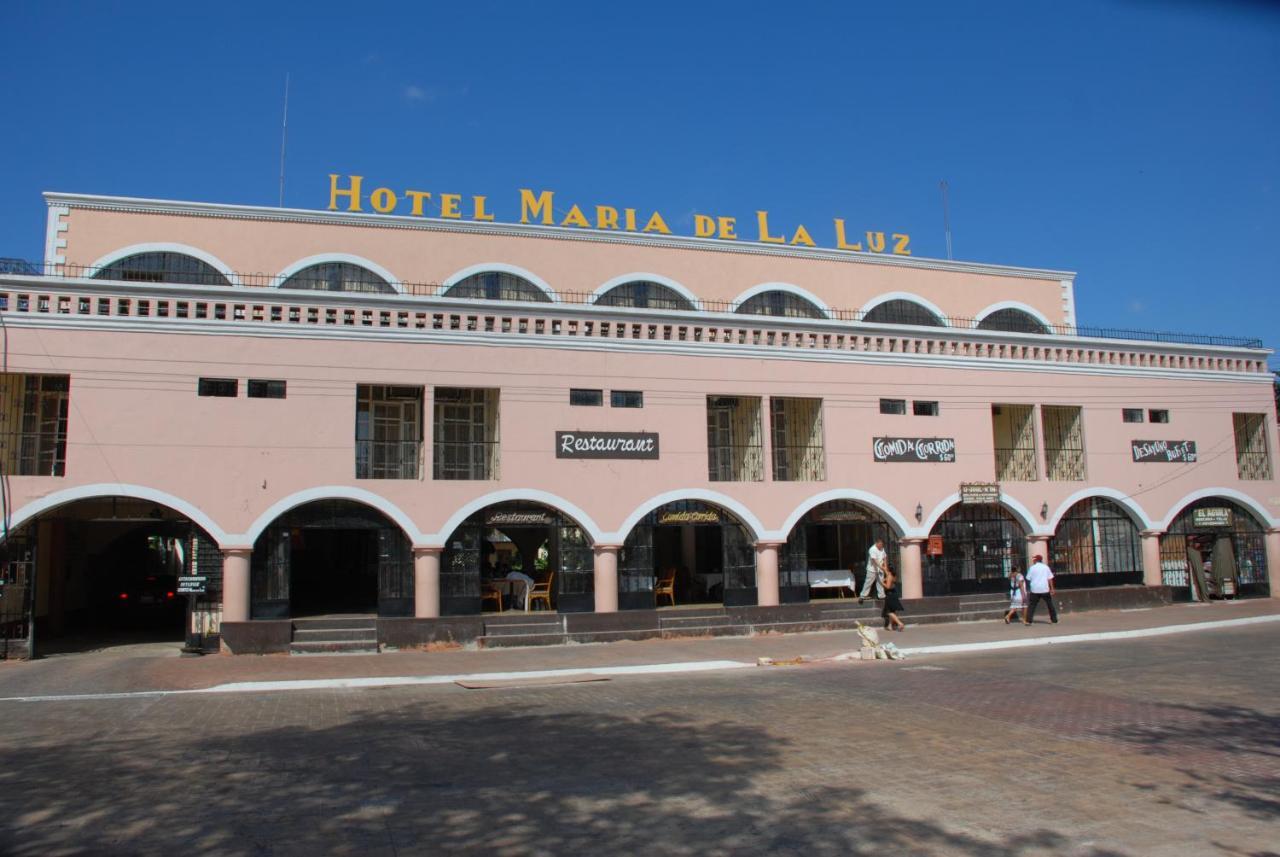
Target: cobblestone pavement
(1158, 746)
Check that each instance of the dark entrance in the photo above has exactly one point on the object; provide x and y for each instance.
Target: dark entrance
(1095, 544)
(698, 552)
(981, 546)
(503, 549)
(1201, 533)
(834, 536)
(332, 556)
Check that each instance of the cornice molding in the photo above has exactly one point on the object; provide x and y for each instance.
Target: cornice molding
(519, 230)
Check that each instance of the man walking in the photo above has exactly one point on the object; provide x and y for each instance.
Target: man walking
(877, 562)
(1040, 584)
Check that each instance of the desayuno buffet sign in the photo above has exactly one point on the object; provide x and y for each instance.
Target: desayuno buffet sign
(347, 193)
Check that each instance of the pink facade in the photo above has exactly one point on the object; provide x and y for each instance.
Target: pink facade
(233, 465)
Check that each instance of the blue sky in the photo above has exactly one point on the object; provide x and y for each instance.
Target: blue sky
(1136, 143)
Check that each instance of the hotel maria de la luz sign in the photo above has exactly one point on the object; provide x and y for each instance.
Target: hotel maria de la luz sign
(592, 422)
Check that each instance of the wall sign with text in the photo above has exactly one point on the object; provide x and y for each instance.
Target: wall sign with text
(934, 449)
(607, 444)
(1164, 450)
(979, 493)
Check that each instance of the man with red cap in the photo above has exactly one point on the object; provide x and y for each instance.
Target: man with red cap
(1040, 585)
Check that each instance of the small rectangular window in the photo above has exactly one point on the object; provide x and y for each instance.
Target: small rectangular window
(586, 398)
(893, 406)
(259, 389)
(924, 409)
(1133, 415)
(228, 387)
(1158, 416)
(626, 399)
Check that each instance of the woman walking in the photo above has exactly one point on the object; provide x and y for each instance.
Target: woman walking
(1017, 596)
(892, 604)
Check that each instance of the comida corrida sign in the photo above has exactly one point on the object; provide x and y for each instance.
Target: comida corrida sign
(347, 193)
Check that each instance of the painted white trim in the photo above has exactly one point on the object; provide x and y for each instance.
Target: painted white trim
(905, 296)
(789, 288)
(676, 287)
(501, 267)
(361, 261)
(1135, 512)
(1011, 505)
(1018, 305)
(559, 233)
(1069, 302)
(755, 529)
(866, 498)
(506, 495)
(119, 489)
(55, 244)
(169, 247)
(1260, 513)
(330, 492)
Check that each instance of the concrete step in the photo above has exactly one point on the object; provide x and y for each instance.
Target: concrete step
(334, 635)
(499, 620)
(335, 647)
(523, 628)
(340, 623)
(681, 631)
(515, 640)
(675, 622)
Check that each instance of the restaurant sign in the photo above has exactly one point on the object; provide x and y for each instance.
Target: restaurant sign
(979, 493)
(934, 449)
(1164, 450)
(517, 519)
(689, 516)
(606, 444)
(1211, 517)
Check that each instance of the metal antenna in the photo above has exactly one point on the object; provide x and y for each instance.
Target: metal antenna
(946, 215)
(284, 135)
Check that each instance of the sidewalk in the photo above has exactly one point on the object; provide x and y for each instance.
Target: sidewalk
(157, 668)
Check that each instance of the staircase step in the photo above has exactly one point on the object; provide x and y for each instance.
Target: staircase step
(345, 647)
(335, 635)
(337, 624)
(675, 622)
(490, 641)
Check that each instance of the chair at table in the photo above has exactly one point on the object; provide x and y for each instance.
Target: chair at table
(541, 591)
(666, 586)
(491, 592)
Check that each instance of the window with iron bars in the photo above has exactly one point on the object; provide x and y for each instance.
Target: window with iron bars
(388, 432)
(734, 444)
(796, 434)
(1063, 443)
(1252, 458)
(465, 445)
(34, 422)
(1013, 430)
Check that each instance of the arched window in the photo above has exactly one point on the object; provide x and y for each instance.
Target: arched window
(902, 312)
(642, 293)
(497, 286)
(337, 277)
(163, 267)
(1095, 544)
(1012, 321)
(780, 303)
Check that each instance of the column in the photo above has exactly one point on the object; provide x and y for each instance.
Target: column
(1037, 544)
(1273, 560)
(606, 578)
(909, 567)
(235, 584)
(767, 574)
(426, 582)
(1152, 574)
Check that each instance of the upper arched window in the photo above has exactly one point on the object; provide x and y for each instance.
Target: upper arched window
(163, 267)
(642, 293)
(780, 303)
(337, 277)
(1012, 321)
(902, 312)
(497, 286)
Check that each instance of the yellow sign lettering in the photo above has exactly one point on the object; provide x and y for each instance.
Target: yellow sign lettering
(726, 228)
(762, 219)
(875, 242)
(417, 196)
(539, 206)
(449, 206)
(629, 218)
(352, 193)
(656, 224)
(477, 209)
(703, 226)
(900, 243)
(840, 242)
(606, 217)
(802, 237)
(575, 217)
(383, 200)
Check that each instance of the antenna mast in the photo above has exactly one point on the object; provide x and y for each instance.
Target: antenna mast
(946, 215)
(284, 135)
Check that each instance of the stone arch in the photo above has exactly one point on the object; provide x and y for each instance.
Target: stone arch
(113, 489)
(744, 515)
(1130, 506)
(646, 277)
(872, 501)
(207, 258)
(785, 288)
(501, 268)
(1034, 315)
(508, 495)
(342, 258)
(1248, 503)
(333, 492)
(928, 306)
(1014, 507)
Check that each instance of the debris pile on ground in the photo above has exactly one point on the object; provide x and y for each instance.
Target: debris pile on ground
(872, 648)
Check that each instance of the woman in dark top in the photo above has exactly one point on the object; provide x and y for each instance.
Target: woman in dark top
(892, 604)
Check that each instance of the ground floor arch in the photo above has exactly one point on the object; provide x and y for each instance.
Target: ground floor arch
(105, 570)
(687, 552)
(832, 536)
(507, 555)
(981, 545)
(1223, 534)
(1096, 543)
(331, 556)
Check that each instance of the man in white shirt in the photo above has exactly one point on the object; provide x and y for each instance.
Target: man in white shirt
(1040, 585)
(877, 562)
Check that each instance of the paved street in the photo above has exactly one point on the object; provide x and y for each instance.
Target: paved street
(1164, 745)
